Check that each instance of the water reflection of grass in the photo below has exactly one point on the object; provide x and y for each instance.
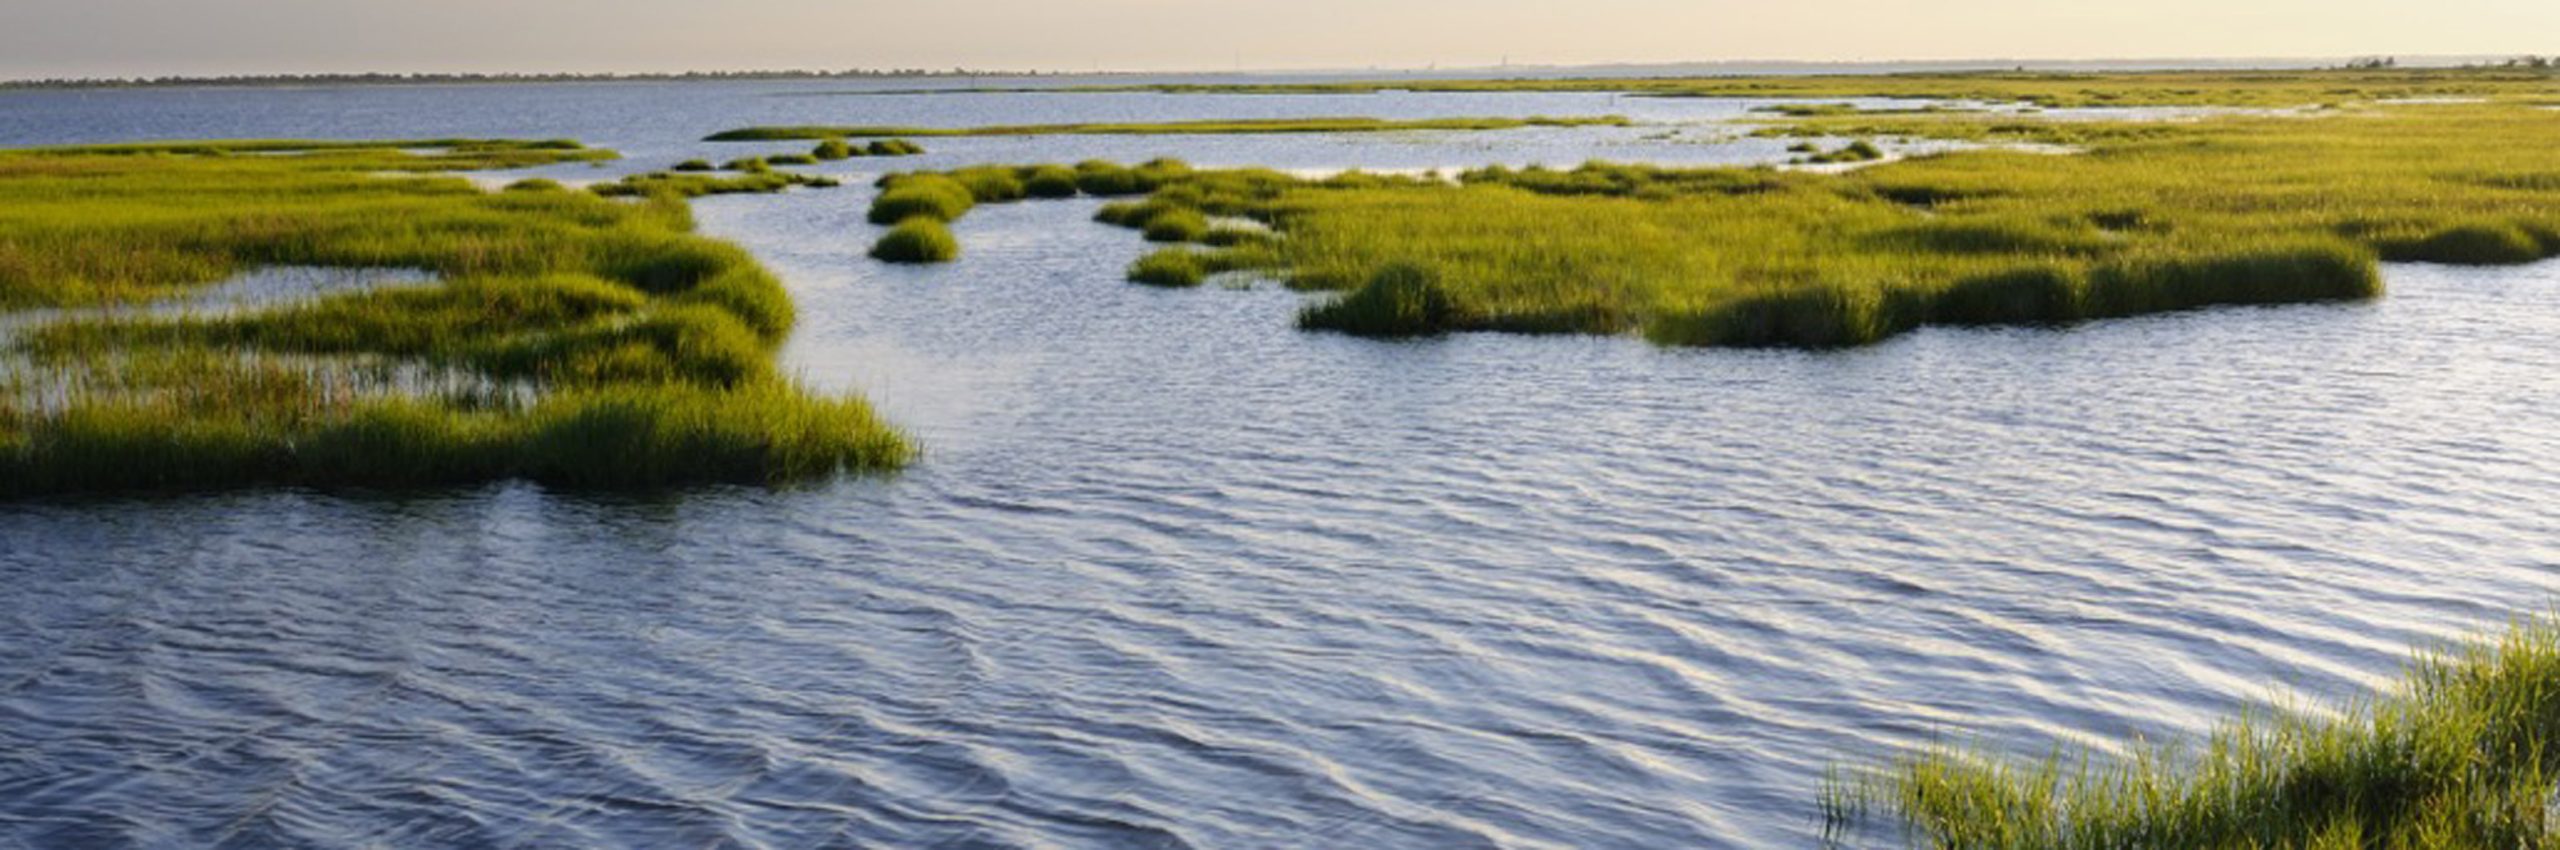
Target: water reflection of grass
(2150, 217)
(573, 338)
(2464, 753)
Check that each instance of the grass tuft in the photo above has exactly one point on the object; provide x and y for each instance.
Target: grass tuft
(1170, 267)
(927, 195)
(922, 239)
(1400, 301)
(2463, 753)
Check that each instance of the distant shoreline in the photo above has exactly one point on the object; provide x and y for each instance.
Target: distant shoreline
(1666, 69)
(387, 79)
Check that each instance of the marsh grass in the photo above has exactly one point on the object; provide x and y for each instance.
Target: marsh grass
(573, 338)
(694, 184)
(2047, 89)
(1857, 151)
(1175, 267)
(921, 239)
(2463, 753)
(2232, 210)
(933, 196)
(1215, 126)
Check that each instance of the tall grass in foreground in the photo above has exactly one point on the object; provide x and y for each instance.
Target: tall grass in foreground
(2464, 754)
(573, 338)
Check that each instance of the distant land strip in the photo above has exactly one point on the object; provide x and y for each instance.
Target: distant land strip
(1168, 128)
(394, 79)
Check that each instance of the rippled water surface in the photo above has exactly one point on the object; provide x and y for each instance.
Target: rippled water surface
(1173, 574)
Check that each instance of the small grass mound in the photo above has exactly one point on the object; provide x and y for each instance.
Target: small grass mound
(921, 239)
(1051, 181)
(893, 147)
(1179, 224)
(791, 159)
(1402, 300)
(692, 165)
(832, 150)
(1857, 151)
(991, 184)
(1170, 267)
(927, 195)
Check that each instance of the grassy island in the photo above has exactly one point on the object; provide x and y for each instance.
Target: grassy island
(2145, 217)
(566, 337)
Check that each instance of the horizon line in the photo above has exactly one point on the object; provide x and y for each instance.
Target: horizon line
(2163, 63)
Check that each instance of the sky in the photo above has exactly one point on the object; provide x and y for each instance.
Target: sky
(122, 38)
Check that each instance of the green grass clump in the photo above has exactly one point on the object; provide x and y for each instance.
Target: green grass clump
(694, 185)
(2474, 244)
(750, 165)
(922, 239)
(1050, 181)
(991, 184)
(834, 149)
(692, 165)
(932, 196)
(1857, 151)
(791, 159)
(1400, 301)
(1179, 224)
(1170, 267)
(893, 147)
(2463, 753)
(560, 317)
(1214, 126)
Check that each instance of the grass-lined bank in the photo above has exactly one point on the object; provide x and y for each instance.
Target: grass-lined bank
(572, 338)
(2049, 89)
(1168, 128)
(2464, 754)
(2151, 217)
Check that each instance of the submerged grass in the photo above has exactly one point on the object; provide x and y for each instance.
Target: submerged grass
(2148, 218)
(2463, 753)
(1218, 126)
(573, 338)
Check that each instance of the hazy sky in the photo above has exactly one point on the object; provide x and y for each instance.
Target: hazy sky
(44, 38)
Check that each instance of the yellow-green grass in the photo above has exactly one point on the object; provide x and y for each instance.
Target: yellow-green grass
(922, 239)
(1215, 126)
(2050, 89)
(2463, 754)
(571, 338)
(2150, 217)
(693, 184)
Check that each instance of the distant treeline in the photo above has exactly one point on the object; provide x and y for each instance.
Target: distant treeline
(434, 79)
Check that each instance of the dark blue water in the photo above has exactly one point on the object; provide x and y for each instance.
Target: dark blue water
(1173, 574)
